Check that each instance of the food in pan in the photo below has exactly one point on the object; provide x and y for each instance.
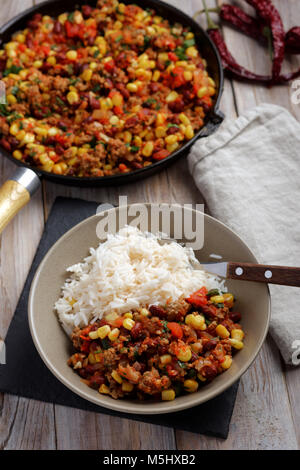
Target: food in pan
(147, 321)
(102, 91)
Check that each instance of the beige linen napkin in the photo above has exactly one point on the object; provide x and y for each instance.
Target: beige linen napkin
(249, 175)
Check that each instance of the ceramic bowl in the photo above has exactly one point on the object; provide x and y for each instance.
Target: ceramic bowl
(54, 347)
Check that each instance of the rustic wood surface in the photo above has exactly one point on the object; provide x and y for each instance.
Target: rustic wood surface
(267, 411)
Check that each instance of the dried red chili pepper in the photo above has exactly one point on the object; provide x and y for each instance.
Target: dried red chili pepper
(292, 40)
(271, 17)
(253, 27)
(236, 70)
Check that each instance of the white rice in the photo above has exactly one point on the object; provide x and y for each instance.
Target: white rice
(129, 270)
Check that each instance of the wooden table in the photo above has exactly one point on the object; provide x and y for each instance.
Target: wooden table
(267, 410)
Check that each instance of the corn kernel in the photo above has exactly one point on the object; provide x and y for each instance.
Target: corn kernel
(217, 299)
(227, 362)
(184, 119)
(148, 149)
(51, 60)
(127, 137)
(48, 166)
(132, 87)
(116, 376)
(172, 147)
(44, 159)
(237, 334)
(93, 65)
(128, 315)
(71, 55)
(104, 389)
(72, 97)
(20, 135)
(127, 386)
(160, 119)
(191, 52)
(41, 131)
(113, 334)
(156, 75)
(211, 91)
(117, 99)
(103, 331)
(172, 97)
(211, 82)
(14, 128)
(189, 132)
(137, 141)
(38, 64)
(196, 321)
(160, 131)
(190, 385)
(184, 354)
(17, 154)
(202, 92)
(235, 343)
(87, 75)
(53, 131)
(189, 35)
(171, 139)
(91, 358)
(188, 76)
(168, 395)
(165, 359)
(201, 378)
(28, 138)
(57, 169)
(222, 332)
(145, 312)
(93, 334)
(99, 40)
(128, 323)
(228, 300)
(11, 99)
(114, 120)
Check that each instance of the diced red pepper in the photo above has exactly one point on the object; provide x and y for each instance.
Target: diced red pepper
(198, 299)
(175, 329)
(161, 154)
(109, 66)
(177, 78)
(172, 56)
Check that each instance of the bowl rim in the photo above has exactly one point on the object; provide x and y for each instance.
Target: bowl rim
(120, 405)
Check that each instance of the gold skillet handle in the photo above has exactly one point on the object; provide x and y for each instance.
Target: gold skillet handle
(15, 193)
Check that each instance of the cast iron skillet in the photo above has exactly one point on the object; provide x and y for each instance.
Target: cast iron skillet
(29, 176)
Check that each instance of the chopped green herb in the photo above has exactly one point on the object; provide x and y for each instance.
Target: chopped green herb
(96, 53)
(168, 62)
(73, 81)
(180, 52)
(60, 101)
(118, 39)
(3, 110)
(96, 88)
(134, 148)
(220, 305)
(14, 90)
(105, 343)
(151, 101)
(188, 43)
(147, 40)
(71, 17)
(93, 142)
(213, 292)
(172, 125)
(182, 364)
(13, 69)
(165, 325)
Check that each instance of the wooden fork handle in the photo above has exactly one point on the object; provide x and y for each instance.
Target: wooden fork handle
(283, 275)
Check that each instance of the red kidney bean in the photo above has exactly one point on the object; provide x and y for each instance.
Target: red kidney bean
(5, 144)
(94, 104)
(158, 311)
(84, 67)
(210, 344)
(177, 106)
(123, 90)
(136, 330)
(29, 42)
(2, 64)
(154, 87)
(235, 316)
(57, 29)
(88, 120)
(59, 149)
(136, 165)
(209, 371)
(86, 10)
(131, 122)
(172, 130)
(14, 142)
